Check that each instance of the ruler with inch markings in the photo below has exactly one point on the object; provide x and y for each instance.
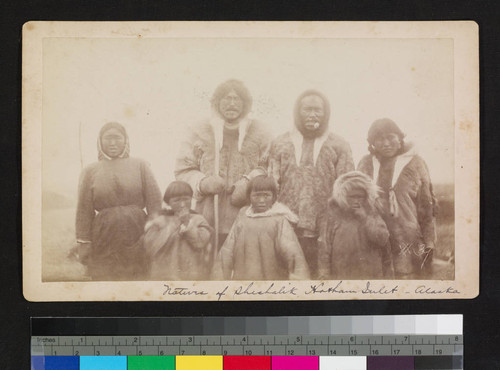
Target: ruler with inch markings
(249, 345)
(411, 335)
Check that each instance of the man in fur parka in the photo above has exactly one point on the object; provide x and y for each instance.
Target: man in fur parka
(305, 163)
(221, 154)
(354, 242)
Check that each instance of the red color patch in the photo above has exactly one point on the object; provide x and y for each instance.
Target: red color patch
(247, 363)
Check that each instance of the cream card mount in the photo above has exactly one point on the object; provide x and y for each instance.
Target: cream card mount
(156, 83)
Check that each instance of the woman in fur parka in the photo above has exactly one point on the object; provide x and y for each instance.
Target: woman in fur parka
(407, 196)
(354, 240)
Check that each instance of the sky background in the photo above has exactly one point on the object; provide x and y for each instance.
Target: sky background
(157, 87)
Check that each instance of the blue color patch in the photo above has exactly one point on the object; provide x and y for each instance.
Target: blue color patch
(37, 362)
(55, 363)
(103, 363)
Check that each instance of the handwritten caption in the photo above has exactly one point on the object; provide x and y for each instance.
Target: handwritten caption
(288, 290)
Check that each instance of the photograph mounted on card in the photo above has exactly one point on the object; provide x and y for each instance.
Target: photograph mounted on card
(250, 160)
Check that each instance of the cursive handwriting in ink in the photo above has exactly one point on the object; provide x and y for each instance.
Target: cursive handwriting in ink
(321, 288)
(382, 290)
(423, 289)
(181, 291)
(271, 289)
(221, 293)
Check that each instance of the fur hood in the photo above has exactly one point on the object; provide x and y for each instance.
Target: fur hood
(108, 126)
(296, 114)
(354, 180)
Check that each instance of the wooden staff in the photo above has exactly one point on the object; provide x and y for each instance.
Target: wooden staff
(80, 144)
(216, 197)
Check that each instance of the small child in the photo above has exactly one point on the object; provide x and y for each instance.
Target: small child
(354, 240)
(262, 244)
(178, 240)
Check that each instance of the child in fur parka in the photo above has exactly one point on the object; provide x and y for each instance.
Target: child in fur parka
(354, 240)
(262, 244)
(178, 241)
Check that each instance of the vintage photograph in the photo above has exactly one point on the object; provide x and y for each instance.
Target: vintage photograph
(221, 161)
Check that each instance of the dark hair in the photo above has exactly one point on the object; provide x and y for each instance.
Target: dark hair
(177, 189)
(262, 183)
(384, 126)
(225, 88)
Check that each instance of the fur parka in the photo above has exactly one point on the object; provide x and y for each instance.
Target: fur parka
(353, 247)
(409, 212)
(196, 160)
(305, 189)
(176, 251)
(262, 246)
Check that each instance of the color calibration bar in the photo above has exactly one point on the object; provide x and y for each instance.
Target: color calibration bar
(244, 363)
(339, 342)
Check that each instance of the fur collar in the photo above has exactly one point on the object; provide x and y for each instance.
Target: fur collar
(297, 140)
(217, 124)
(278, 209)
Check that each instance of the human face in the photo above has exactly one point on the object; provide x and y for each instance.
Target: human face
(356, 198)
(261, 200)
(113, 143)
(180, 204)
(387, 145)
(231, 107)
(312, 112)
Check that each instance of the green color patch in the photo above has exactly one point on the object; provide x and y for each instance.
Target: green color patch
(151, 363)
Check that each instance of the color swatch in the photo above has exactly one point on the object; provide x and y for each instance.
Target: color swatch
(151, 363)
(246, 363)
(342, 362)
(295, 363)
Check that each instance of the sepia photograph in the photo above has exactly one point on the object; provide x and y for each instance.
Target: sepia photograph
(250, 160)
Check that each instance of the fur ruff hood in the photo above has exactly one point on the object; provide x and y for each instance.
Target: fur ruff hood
(354, 180)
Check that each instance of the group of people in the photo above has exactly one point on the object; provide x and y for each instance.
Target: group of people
(289, 208)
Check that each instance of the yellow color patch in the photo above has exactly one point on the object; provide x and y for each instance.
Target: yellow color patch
(198, 363)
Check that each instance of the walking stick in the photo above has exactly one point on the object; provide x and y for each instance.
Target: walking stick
(216, 198)
(216, 220)
(80, 144)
